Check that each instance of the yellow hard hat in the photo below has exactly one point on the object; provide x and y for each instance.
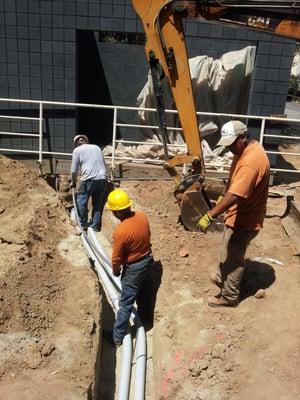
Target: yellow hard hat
(118, 200)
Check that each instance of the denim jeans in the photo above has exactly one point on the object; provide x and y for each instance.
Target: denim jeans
(133, 278)
(97, 190)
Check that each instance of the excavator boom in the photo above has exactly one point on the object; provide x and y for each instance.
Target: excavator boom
(278, 17)
(165, 49)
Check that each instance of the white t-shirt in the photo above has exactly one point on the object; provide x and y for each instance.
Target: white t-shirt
(90, 159)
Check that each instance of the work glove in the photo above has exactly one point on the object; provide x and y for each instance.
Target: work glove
(205, 222)
(219, 199)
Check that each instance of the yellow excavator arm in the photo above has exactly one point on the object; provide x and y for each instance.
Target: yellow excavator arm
(166, 45)
(165, 48)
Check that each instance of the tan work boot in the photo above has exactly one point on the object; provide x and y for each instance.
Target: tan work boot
(220, 301)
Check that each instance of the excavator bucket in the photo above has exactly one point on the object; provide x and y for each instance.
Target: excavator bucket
(193, 205)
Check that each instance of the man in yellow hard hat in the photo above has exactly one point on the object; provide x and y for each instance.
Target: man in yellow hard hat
(131, 254)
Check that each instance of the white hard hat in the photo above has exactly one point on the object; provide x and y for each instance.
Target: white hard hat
(78, 137)
(230, 131)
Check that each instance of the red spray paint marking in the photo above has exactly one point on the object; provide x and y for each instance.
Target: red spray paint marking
(179, 372)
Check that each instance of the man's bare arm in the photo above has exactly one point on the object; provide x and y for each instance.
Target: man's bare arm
(228, 200)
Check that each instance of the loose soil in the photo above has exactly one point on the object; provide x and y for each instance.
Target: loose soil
(49, 297)
(50, 308)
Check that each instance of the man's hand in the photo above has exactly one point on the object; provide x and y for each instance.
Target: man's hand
(205, 222)
(73, 185)
(117, 273)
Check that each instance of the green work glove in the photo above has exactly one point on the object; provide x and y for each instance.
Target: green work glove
(205, 222)
(219, 199)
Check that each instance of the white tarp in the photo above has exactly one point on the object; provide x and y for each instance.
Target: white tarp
(296, 66)
(220, 85)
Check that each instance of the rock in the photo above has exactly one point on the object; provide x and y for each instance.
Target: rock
(183, 253)
(170, 333)
(210, 374)
(240, 328)
(48, 349)
(229, 367)
(91, 325)
(33, 356)
(49, 254)
(218, 351)
(260, 294)
(196, 370)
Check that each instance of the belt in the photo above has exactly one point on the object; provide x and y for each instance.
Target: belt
(140, 259)
(94, 180)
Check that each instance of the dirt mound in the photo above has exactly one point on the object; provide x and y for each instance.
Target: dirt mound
(48, 312)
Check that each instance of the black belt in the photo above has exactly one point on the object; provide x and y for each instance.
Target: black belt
(140, 259)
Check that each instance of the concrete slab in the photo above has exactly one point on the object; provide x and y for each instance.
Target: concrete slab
(292, 109)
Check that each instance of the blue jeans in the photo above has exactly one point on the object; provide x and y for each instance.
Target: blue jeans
(97, 190)
(133, 278)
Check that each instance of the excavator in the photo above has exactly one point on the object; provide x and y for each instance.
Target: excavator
(166, 53)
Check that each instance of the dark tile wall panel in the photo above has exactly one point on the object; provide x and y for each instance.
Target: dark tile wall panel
(38, 59)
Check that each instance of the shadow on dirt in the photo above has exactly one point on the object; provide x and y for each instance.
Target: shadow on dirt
(147, 300)
(258, 275)
(105, 369)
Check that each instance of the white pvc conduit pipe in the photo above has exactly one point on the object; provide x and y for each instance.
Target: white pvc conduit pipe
(141, 343)
(112, 295)
(112, 288)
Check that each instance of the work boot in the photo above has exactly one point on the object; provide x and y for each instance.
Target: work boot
(215, 279)
(220, 301)
(108, 336)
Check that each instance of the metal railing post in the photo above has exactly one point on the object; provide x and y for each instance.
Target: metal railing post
(262, 131)
(40, 134)
(112, 171)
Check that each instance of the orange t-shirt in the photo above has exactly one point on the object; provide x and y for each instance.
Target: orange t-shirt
(249, 179)
(131, 240)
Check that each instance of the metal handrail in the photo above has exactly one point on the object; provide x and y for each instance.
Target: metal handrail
(116, 124)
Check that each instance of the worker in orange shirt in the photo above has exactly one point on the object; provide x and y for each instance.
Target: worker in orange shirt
(131, 258)
(244, 204)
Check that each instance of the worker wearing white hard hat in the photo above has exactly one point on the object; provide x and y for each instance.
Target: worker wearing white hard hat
(81, 137)
(88, 158)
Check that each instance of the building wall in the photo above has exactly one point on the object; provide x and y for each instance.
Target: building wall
(46, 47)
